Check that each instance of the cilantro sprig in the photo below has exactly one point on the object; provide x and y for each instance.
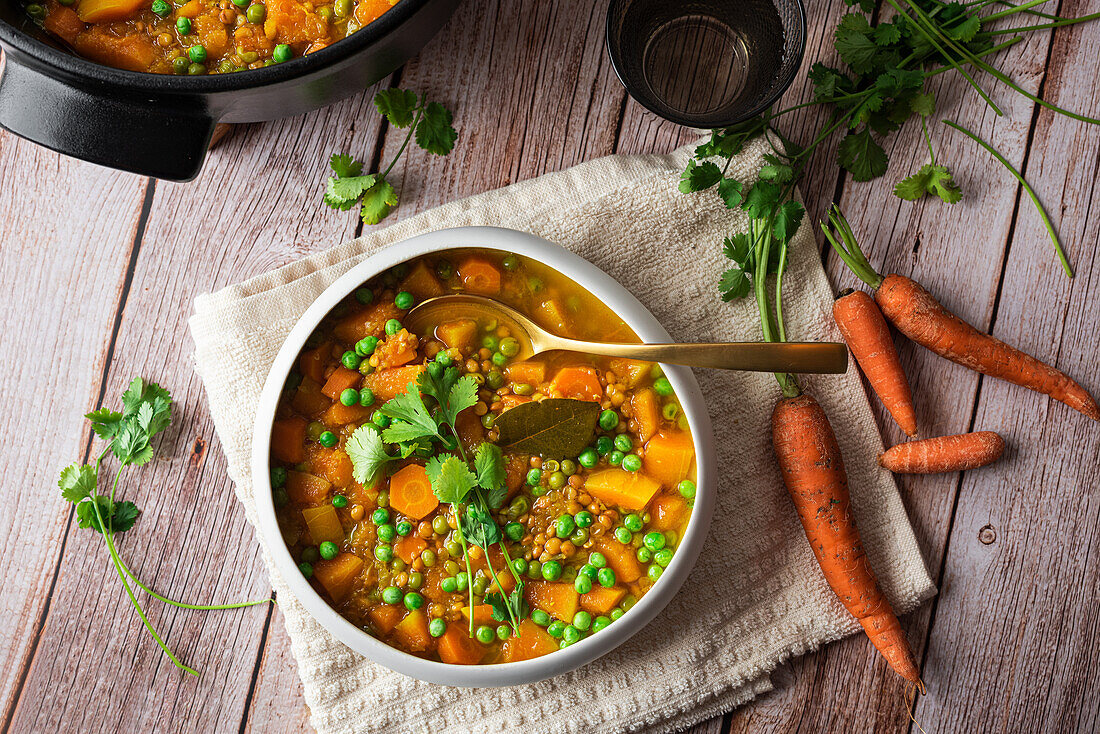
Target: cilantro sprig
(425, 416)
(428, 123)
(146, 411)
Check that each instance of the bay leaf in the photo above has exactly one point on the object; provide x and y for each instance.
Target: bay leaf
(555, 428)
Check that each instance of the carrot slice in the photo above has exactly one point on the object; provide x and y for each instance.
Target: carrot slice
(479, 276)
(411, 492)
(409, 548)
(388, 384)
(338, 575)
(580, 383)
(456, 647)
(385, 617)
(341, 380)
(602, 600)
(532, 642)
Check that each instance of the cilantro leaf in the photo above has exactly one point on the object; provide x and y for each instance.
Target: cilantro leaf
(514, 603)
(738, 247)
(410, 416)
(478, 525)
(860, 154)
(853, 42)
(887, 34)
(923, 104)
(730, 191)
(348, 189)
(930, 179)
(699, 176)
(106, 423)
(966, 30)
(119, 518)
(438, 386)
(124, 516)
(787, 220)
(463, 395)
(489, 463)
(398, 106)
(778, 172)
(344, 166)
(367, 453)
(77, 482)
(434, 132)
(828, 82)
(867, 6)
(761, 199)
(451, 479)
(734, 284)
(378, 200)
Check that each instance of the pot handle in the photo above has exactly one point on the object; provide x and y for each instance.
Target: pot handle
(123, 131)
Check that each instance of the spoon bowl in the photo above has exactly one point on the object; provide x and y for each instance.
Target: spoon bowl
(795, 357)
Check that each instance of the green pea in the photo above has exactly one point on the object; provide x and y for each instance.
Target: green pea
(533, 477)
(383, 498)
(584, 519)
(161, 8)
(535, 284)
(597, 559)
(571, 634)
(380, 516)
(583, 584)
(604, 444)
(557, 480)
(662, 386)
(404, 300)
(623, 535)
(655, 541)
(582, 620)
(511, 262)
(522, 388)
(550, 465)
(514, 531)
(392, 595)
(518, 506)
(310, 554)
(616, 614)
(579, 536)
(564, 526)
(413, 601)
(404, 528)
(686, 488)
(350, 396)
(36, 11)
(509, 347)
(451, 567)
(314, 430)
(599, 623)
(645, 555)
(498, 359)
(633, 522)
(589, 571)
(568, 467)
(181, 63)
(551, 570)
(623, 443)
(383, 553)
(495, 379)
(365, 368)
(540, 618)
(606, 577)
(379, 420)
(488, 420)
(366, 397)
(609, 419)
(444, 359)
(437, 628)
(440, 526)
(449, 585)
(329, 550)
(462, 579)
(503, 632)
(454, 548)
(539, 491)
(328, 439)
(588, 458)
(490, 342)
(480, 585)
(670, 411)
(363, 295)
(428, 557)
(278, 476)
(282, 53)
(306, 569)
(632, 462)
(365, 346)
(416, 579)
(393, 326)
(534, 570)
(197, 53)
(556, 628)
(196, 69)
(654, 571)
(386, 532)
(282, 499)
(663, 557)
(343, 8)
(519, 566)
(350, 360)
(615, 458)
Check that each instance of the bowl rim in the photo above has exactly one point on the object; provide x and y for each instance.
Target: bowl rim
(627, 307)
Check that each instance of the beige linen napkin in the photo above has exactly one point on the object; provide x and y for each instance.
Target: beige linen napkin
(756, 596)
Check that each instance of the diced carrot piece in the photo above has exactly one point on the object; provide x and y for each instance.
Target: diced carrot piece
(338, 575)
(668, 457)
(411, 492)
(397, 350)
(367, 321)
(602, 600)
(630, 370)
(580, 383)
(646, 412)
(323, 524)
(312, 362)
(367, 11)
(341, 379)
(531, 642)
(515, 473)
(288, 439)
(306, 489)
(528, 372)
(556, 599)
(308, 398)
(479, 276)
(385, 617)
(412, 631)
(133, 52)
(64, 23)
(621, 488)
(506, 580)
(511, 401)
(551, 316)
(668, 512)
(293, 23)
(388, 384)
(620, 558)
(332, 464)
(107, 11)
(457, 334)
(339, 414)
(408, 548)
(210, 30)
(456, 647)
(421, 281)
(469, 427)
(190, 9)
(483, 614)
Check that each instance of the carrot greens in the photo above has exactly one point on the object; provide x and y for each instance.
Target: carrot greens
(146, 411)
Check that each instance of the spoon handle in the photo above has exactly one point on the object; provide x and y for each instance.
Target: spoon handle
(827, 358)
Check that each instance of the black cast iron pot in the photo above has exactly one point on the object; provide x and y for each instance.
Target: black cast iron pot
(160, 125)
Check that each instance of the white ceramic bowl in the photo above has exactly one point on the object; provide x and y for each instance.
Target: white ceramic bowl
(635, 315)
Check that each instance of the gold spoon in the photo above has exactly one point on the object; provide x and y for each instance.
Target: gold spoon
(794, 357)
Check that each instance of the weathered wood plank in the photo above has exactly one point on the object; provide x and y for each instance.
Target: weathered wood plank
(61, 289)
(192, 541)
(277, 702)
(1015, 641)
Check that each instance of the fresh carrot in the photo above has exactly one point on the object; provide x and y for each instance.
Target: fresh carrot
(813, 471)
(865, 330)
(920, 317)
(411, 492)
(944, 453)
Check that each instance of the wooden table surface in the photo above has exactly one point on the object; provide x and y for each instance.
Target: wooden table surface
(100, 269)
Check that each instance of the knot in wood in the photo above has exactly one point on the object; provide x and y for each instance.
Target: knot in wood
(987, 535)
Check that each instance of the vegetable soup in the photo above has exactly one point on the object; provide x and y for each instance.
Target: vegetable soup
(463, 506)
(201, 36)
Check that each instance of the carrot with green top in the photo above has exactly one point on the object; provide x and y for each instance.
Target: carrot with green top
(919, 316)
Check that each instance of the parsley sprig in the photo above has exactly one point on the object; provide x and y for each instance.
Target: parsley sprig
(429, 123)
(423, 421)
(887, 64)
(146, 411)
